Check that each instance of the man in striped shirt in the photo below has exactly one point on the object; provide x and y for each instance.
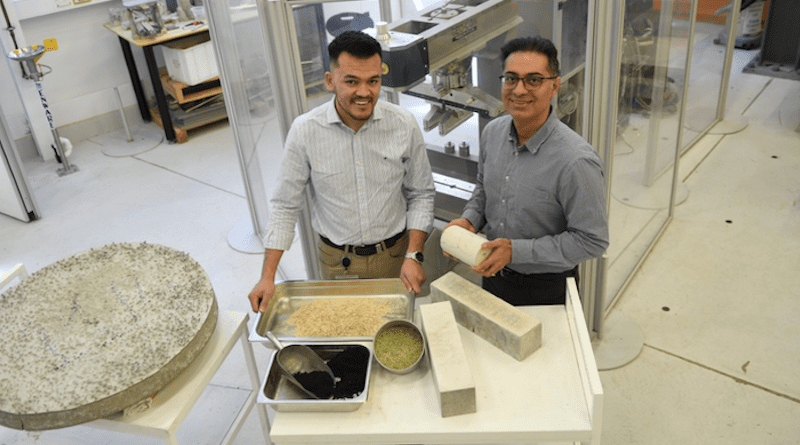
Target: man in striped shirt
(366, 168)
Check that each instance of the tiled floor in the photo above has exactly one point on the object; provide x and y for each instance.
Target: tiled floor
(719, 367)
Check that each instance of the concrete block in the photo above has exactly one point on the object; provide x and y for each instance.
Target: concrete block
(451, 374)
(514, 332)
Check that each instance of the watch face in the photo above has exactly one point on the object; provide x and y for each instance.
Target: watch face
(416, 256)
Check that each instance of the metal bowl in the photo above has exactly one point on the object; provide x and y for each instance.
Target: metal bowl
(402, 335)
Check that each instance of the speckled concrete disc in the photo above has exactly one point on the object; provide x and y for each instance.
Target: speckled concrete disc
(94, 333)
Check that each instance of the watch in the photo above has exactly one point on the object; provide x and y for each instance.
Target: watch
(416, 256)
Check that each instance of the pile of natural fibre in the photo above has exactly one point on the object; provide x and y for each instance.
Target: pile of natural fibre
(350, 369)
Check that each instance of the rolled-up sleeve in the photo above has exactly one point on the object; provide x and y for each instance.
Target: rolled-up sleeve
(287, 199)
(418, 185)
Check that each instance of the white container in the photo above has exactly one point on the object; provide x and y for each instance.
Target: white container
(191, 60)
(750, 20)
(198, 13)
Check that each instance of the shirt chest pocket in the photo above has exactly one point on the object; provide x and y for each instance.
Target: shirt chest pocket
(387, 169)
(535, 200)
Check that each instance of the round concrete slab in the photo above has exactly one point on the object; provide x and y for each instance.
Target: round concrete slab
(95, 333)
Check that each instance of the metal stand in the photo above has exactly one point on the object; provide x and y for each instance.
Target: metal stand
(242, 237)
(28, 57)
(66, 168)
(725, 126)
(629, 190)
(728, 127)
(620, 343)
(137, 142)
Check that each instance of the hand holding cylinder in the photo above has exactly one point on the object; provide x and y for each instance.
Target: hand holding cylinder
(464, 245)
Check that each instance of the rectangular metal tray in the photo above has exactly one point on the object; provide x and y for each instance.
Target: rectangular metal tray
(282, 395)
(291, 295)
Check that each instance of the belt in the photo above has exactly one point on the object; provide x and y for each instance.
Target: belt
(366, 250)
(506, 272)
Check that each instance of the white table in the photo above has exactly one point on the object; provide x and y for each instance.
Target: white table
(554, 395)
(172, 404)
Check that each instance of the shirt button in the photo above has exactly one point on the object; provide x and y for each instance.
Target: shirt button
(506, 178)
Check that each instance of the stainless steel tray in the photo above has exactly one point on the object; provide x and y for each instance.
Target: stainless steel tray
(282, 395)
(291, 295)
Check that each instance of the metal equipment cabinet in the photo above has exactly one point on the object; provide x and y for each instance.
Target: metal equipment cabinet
(780, 47)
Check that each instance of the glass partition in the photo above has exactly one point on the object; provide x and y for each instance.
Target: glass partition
(705, 85)
(656, 38)
(245, 76)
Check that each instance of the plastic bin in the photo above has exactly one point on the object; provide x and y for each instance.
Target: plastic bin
(191, 60)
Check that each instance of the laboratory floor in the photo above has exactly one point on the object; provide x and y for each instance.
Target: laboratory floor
(717, 299)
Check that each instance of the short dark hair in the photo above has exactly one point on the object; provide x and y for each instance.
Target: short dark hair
(536, 44)
(355, 43)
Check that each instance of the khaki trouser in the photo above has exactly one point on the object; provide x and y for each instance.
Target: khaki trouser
(385, 264)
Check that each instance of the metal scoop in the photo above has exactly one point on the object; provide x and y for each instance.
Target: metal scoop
(294, 359)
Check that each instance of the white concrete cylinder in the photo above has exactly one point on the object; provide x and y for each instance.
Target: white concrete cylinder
(464, 245)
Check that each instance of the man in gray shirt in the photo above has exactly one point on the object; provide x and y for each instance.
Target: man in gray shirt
(539, 196)
(366, 167)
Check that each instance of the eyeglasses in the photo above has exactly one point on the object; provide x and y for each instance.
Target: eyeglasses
(531, 81)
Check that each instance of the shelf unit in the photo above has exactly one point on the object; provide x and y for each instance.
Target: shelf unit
(183, 94)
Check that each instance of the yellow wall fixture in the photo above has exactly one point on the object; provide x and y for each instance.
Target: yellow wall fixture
(50, 44)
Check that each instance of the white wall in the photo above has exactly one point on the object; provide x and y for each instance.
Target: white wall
(20, 99)
(87, 64)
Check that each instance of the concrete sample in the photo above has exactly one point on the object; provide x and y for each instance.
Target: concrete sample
(98, 332)
(501, 324)
(464, 245)
(451, 374)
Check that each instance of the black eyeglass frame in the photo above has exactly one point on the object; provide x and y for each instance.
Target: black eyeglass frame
(538, 79)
